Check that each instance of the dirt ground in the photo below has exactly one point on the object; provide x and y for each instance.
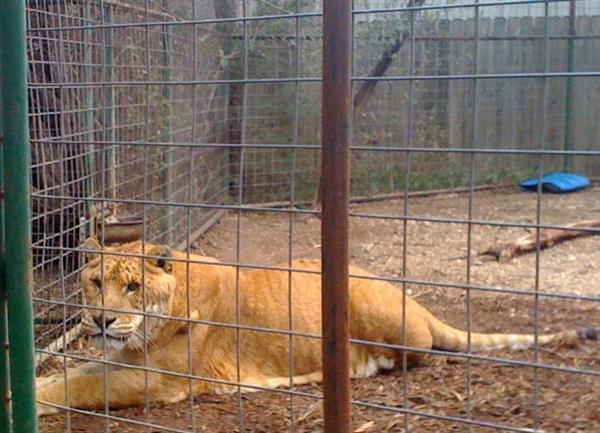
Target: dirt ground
(567, 402)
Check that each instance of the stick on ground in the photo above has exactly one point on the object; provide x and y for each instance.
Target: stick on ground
(548, 237)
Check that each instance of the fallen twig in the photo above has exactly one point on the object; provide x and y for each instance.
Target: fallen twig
(547, 238)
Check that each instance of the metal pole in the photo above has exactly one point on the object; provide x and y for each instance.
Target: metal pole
(5, 424)
(568, 163)
(109, 110)
(16, 158)
(90, 149)
(336, 136)
(167, 134)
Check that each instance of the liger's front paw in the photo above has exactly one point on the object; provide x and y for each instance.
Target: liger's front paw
(43, 393)
(44, 409)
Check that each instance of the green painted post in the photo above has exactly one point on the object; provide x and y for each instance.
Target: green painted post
(568, 160)
(5, 418)
(16, 171)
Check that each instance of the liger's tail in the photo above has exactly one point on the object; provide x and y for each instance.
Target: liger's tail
(445, 337)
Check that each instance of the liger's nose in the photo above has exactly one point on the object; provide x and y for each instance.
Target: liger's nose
(109, 321)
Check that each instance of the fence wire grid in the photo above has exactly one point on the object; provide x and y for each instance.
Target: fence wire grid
(201, 120)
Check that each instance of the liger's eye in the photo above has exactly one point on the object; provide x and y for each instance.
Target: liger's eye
(97, 283)
(132, 287)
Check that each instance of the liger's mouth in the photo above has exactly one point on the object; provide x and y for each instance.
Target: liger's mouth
(107, 336)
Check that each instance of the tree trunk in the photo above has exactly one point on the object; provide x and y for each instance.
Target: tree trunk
(367, 87)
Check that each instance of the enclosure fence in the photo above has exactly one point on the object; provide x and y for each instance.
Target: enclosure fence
(92, 139)
(201, 121)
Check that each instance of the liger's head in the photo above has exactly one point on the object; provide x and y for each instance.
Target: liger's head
(120, 288)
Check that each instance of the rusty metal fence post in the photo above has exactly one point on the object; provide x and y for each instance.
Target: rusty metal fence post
(336, 133)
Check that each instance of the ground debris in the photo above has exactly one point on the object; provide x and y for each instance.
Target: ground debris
(546, 239)
(500, 394)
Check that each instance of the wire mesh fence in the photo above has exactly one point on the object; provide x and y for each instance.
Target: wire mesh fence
(90, 137)
(182, 113)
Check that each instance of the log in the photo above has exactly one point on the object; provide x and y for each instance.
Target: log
(387, 196)
(547, 238)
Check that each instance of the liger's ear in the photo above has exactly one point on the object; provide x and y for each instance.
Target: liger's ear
(161, 255)
(91, 244)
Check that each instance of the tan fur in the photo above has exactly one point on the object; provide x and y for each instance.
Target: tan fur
(375, 315)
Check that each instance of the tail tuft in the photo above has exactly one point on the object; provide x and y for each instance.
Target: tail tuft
(588, 333)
